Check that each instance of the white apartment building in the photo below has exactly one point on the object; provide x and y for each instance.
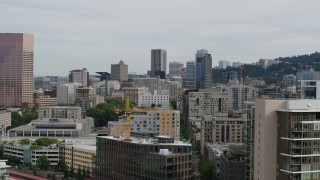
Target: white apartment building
(60, 112)
(208, 102)
(236, 92)
(5, 119)
(224, 64)
(147, 99)
(112, 85)
(309, 89)
(66, 93)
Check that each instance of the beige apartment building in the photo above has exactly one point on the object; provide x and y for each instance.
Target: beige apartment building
(80, 156)
(16, 69)
(208, 102)
(265, 138)
(79, 76)
(42, 101)
(60, 112)
(158, 121)
(5, 119)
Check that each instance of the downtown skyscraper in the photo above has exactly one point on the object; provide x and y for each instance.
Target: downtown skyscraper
(158, 63)
(16, 68)
(203, 69)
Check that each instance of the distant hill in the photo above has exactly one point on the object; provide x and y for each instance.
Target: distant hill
(274, 73)
(302, 59)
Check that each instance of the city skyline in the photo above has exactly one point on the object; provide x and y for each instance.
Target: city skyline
(95, 35)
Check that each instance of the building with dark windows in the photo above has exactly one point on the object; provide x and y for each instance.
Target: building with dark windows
(160, 158)
(232, 164)
(158, 63)
(203, 69)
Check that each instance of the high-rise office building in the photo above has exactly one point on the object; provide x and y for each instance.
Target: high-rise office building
(203, 69)
(119, 71)
(190, 75)
(175, 68)
(158, 63)
(16, 69)
(79, 76)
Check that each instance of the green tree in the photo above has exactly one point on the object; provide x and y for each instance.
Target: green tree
(25, 141)
(62, 165)
(43, 162)
(71, 171)
(88, 173)
(45, 142)
(206, 168)
(173, 104)
(84, 173)
(79, 173)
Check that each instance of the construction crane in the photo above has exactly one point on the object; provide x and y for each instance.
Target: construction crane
(127, 117)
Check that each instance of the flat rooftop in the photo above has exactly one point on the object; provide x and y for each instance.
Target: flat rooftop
(150, 141)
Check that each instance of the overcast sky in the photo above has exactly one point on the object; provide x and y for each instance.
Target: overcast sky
(71, 34)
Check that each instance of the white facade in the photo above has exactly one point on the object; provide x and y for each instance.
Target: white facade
(309, 89)
(236, 94)
(224, 64)
(79, 76)
(112, 85)
(147, 99)
(66, 93)
(133, 93)
(26, 154)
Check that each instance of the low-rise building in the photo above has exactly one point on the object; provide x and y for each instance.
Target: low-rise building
(54, 128)
(148, 99)
(30, 154)
(232, 164)
(60, 112)
(80, 157)
(5, 119)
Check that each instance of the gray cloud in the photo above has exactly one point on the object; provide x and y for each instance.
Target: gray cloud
(94, 34)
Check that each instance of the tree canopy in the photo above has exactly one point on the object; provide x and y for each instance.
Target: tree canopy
(43, 162)
(103, 112)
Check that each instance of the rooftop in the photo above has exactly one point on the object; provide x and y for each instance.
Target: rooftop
(150, 141)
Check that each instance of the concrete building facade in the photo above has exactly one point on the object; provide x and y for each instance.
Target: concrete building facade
(119, 71)
(79, 76)
(208, 102)
(175, 68)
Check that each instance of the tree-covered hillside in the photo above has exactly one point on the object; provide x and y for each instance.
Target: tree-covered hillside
(274, 73)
